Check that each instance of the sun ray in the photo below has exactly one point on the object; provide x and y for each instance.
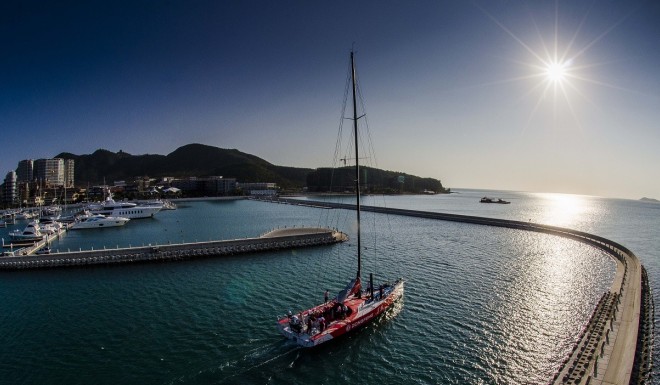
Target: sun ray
(605, 33)
(536, 106)
(500, 82)
(505, 29)
(557, 67)
(571, 108)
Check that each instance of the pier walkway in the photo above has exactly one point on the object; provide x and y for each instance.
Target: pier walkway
(278, 239)
(30, 248)
(615, 346)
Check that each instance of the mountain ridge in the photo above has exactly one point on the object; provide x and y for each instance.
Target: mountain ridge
(202, 160)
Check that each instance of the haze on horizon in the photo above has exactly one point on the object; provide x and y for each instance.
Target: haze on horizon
(545, 96)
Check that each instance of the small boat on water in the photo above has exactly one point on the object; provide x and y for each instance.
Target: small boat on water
(352, 308)
(31, 232)
(98, 221)
(490, 200)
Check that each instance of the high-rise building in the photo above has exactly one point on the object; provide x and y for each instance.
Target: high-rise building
(10, 189)
(68, 172)
(50, 172)
(25, 171)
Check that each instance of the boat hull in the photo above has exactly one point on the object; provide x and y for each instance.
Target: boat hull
(363, 311)
(130, 213)
(93, 223)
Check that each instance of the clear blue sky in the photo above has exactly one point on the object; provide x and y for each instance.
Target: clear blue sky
(454, 90)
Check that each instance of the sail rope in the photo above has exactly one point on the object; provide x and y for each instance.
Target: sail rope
(333, 218)
(369, 149)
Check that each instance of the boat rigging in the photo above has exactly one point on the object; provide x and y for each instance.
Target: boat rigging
(351, 308)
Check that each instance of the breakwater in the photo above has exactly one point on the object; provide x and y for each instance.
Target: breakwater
(278, 239)
(615, 346)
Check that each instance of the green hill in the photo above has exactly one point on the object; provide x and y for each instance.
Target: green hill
(201, 160)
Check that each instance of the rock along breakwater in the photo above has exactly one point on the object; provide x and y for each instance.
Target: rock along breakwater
(278, 239)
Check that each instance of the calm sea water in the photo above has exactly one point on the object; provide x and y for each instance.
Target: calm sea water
(482, 305)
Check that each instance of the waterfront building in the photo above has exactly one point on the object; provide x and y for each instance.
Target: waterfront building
(49, 171)
(25, 171)
(10, 190)
(69, 172)
(97, 193)
(259, 188)
(205, 186)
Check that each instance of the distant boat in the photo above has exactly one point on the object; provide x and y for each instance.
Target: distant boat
(490, 200)
(98, 221)
(351, 308)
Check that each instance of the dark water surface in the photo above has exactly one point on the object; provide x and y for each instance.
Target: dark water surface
(482, 305)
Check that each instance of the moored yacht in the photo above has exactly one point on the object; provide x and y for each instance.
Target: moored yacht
(50, 226)
(30, 233)
(129, 210)
(97, 221)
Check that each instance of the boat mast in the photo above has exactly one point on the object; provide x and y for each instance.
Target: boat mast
(357, 168)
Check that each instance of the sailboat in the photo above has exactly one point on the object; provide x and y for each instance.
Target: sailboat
(352, 308)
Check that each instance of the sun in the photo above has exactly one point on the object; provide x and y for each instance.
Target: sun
(556, 72)
(556, 68)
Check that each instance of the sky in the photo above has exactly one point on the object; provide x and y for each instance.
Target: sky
(541, 96)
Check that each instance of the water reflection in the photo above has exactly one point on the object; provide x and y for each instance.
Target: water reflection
(533, 305)
(564, 210)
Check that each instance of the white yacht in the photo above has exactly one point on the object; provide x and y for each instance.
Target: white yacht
(129, 210)
(50, 226)
(30, 233)
(97, 221)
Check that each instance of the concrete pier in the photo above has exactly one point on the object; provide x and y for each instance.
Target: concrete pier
(279, 239)
(615, 347)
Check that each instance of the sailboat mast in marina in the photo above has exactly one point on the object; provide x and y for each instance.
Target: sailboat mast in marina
(351, 308)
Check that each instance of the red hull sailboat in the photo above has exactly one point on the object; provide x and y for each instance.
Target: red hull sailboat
(352, 307)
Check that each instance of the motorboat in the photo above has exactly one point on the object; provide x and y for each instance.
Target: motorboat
(491, 200)
(98, 221)
(31, 232)
(50, 226)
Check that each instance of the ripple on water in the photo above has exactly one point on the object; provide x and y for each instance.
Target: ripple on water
(481, 305)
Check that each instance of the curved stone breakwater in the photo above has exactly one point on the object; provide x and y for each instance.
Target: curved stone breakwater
(643, 366)
(278, 239)
(616, 345)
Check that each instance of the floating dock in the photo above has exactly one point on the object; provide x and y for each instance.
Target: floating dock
(18, 248)
(279, 239)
